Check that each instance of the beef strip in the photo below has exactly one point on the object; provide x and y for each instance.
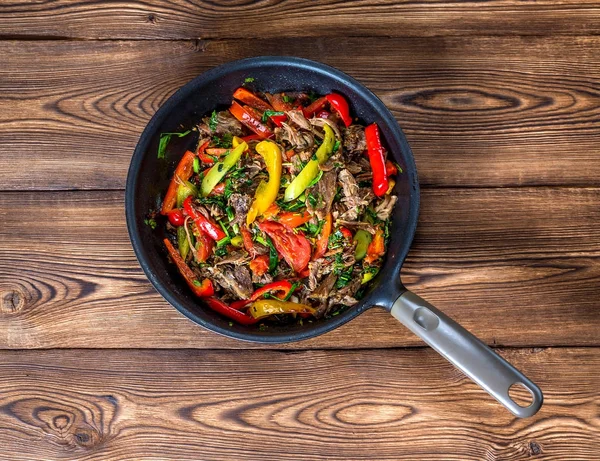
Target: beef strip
(297, 117)
(296, 138)
(240, 204)
(321, 294)
(233, 279)
(354, 140)
(384, 209)
(351, 198)
(226, 123)
(236, 258)
(325, 191)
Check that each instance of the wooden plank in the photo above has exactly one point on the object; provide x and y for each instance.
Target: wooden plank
(518, 267)
(265, 405)
(180, 19)
(478, 111)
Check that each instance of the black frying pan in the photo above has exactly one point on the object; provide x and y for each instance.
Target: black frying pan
(149, 177)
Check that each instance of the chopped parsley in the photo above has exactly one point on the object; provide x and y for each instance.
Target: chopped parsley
(312, 96)
(214, 121)
(312, 229)
(290, 206)
(224, 142)
(270, 113)
(295, 286)
(344, 278)
(336, 146)
(150, 222)
(287, 98)
(164, 141)
(249, 79)
(336, 240)
(316, 180)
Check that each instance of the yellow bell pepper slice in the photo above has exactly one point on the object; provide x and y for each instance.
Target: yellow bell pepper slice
(266, 307)
(266, 192)
(311, 170)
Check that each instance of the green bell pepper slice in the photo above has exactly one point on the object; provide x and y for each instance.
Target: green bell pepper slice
(220, 169)
(184, 190)
(311, 170)
(362, 239)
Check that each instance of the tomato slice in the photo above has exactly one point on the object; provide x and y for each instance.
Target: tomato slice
(293, 220)
(293, 247)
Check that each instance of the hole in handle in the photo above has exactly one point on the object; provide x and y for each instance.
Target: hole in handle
(520, 394)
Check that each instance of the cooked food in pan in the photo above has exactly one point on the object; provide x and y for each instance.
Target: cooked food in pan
(281, 212)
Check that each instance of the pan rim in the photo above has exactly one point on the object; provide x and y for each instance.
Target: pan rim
(395, 288)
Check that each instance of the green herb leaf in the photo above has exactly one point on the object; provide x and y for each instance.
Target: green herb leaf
(164, 141)
(336, 146)
(287, 98)
(249, 79)
(273, 255)
(312, 96)
(197, 283)
(150, 222)
(270, 113)
(316, 180)
(291, 292)
(223, 242)
(213, 122)
(224, 142)
(230, 213)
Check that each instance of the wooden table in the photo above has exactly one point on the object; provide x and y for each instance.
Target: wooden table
(500, 101)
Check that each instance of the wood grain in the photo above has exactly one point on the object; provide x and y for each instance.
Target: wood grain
(181, 19)
(518, 267)
(483, 111)
(264, 405)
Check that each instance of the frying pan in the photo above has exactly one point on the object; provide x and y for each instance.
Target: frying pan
(149, 177)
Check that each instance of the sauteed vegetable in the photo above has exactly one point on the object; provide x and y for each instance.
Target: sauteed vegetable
(281, 212)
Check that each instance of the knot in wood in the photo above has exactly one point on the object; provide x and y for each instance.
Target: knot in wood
(11, 301)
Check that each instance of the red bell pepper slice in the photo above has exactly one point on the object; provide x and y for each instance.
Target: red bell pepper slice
(201, 289)
(260, 265)
(213, 230)
(294, 220)
(252, 137)
(204, 245)
(278, 119)
(376, 248)
(323, 240)
(377, 160)
(247, 97)
(249, 244)
(184, 171)
(281, 287)
(293, 247)
(317, 105)
(249, 120)
(339, 103)
(240, 317)
(391, 168)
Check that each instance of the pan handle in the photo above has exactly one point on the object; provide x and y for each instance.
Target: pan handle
(480, 363)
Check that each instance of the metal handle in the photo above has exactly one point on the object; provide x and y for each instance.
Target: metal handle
(466, 352)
